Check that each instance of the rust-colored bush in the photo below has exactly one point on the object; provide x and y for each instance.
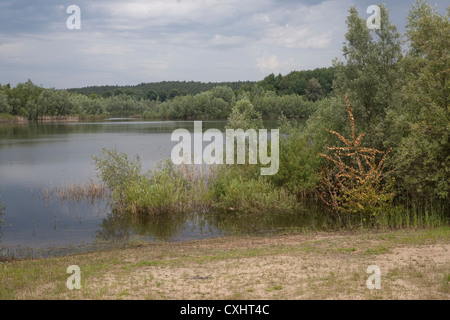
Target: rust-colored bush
(353, 182)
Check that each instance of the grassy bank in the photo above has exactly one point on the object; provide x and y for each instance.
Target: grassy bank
(414, 265)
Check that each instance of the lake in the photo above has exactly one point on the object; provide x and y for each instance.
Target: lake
(36, 157)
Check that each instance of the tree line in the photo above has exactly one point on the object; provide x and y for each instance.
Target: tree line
(290, 95)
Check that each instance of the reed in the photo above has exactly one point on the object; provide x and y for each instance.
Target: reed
(168, 191)
(90, 191)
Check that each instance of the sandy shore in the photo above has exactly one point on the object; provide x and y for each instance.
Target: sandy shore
(413, 265)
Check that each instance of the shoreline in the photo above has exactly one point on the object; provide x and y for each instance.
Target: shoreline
(318, 265)
(16, 120)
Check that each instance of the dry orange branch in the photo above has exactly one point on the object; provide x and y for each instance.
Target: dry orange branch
(352, 181)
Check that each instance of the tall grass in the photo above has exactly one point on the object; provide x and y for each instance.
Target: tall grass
(90, 191)
(412, 216)
(167, 190)
(241, 189)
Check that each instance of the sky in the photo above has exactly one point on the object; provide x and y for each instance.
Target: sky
(130, 42)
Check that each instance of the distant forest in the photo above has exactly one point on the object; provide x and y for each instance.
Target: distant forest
(295, 82)
(293, 95)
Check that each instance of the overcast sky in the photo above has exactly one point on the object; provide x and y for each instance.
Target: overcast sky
(129, 42)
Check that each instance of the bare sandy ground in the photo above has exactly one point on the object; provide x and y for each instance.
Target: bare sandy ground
(317, 266)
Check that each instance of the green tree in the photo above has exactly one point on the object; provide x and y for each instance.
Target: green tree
(244, 116)
(50, 102)
(162, 96)
(371, 73)
(421, 122)
(173, 93)
(4, 104)
(118, 92)
(152, 95)
(106, 94)
(21, 95)
(314, 90)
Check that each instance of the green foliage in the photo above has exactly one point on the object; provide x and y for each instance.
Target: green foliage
(183, 87)
(298, 162)
(123, 105)
(162, 96)
(51, 102)
(206, 105)
(420, 125)
(371, 73)
(225, 93)
(173, 93)
(151, 95)
(159, 194)
(34, 102)
(244, 116)
(4, 104)
(84, 106)
(326, 117)
(240, 189)
(296, 82)
(314, 90)
(168, 190)
(117, 171)
(6, 118)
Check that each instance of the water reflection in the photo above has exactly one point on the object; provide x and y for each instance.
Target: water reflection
(120, 227)
(309, 217)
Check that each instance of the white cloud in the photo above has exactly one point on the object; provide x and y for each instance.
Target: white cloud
(167, 12)
(127, 42)
(297, 37)
(107, 49)
(220, 40)
(267, 64)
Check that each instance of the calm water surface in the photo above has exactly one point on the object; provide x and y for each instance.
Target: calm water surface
(38, 156)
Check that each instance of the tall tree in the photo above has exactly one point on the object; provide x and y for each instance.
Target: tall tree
(173, 93)
(370, 75)
(162, 96)
(4, 104)
(421, 124)
(314, 90)
(152, 95)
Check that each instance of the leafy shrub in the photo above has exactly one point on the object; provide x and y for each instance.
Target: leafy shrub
(354, 181)
(166, 190)
(298, 162)
(117, 171)
(158, 194)
(241, 189)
